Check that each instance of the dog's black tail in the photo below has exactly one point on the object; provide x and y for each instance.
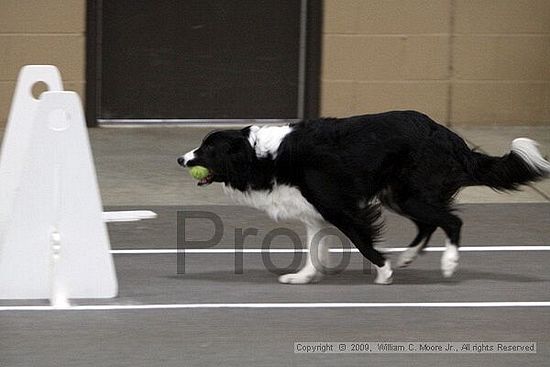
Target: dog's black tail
(522, 165)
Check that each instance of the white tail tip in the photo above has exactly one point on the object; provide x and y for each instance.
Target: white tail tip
(528, 151)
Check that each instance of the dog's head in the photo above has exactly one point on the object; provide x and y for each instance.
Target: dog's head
(227, 154)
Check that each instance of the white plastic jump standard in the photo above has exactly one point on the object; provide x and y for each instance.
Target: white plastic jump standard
(53, 238)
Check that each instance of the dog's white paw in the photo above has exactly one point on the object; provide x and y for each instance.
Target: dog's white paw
(301, 277)
(449, 260)
(407, 256)
(384, 274)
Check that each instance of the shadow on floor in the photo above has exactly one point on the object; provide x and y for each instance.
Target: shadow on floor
(356, 277)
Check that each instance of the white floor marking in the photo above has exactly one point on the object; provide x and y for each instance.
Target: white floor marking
(335, 250)
(279, 305)
(294, 305)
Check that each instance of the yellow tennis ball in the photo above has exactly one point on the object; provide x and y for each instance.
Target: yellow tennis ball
(199, 172)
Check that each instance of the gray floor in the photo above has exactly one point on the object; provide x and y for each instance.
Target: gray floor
(261, 338)
(137, 169)
(265, 337)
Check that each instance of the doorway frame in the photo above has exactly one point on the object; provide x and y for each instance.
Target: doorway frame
(311, 29)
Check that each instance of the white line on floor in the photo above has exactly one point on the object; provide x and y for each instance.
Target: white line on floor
(278, 305)
(338, 250)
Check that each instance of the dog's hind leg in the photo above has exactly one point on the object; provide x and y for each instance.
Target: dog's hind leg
(363, 242)
(317, 258)
(422, 238)
(358, 222)
(361, 231)
(440, 216)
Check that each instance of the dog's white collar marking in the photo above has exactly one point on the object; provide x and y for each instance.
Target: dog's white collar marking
(267, 139)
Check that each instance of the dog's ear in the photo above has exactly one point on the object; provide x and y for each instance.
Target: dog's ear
(235, 145)
(250, 129)
(250, 133)
(238, 144)
(237, 161)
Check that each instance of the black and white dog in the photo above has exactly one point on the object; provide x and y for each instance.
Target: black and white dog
(339, 170)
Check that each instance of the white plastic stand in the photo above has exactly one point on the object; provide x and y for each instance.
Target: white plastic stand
(53, 238)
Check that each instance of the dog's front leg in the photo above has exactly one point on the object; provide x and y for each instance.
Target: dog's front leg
(317, 257)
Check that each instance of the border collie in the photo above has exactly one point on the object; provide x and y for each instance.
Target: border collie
(340, 170)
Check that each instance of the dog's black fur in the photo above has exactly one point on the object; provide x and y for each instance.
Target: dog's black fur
(403, 158)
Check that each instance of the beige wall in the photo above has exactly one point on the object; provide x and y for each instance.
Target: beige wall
(461, 61)
(41, 32)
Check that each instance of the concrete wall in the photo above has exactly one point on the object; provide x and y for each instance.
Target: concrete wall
(461, 61)
(41, 32)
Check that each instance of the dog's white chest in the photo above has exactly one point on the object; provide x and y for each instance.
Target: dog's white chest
(283, 202)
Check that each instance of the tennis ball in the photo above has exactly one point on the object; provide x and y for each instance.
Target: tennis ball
(199, 172)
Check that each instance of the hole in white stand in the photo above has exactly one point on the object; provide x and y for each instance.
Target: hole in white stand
(38, 88)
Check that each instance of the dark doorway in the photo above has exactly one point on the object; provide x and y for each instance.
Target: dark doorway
(202, 60)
